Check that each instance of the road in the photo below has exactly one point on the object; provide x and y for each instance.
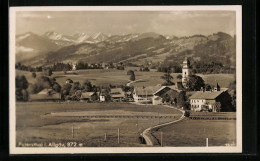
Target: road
(146, 134)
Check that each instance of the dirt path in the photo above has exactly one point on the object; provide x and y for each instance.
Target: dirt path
(128, 84)
(147, 133)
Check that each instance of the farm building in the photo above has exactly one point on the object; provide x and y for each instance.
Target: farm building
(164, 92)
(117, 94)
(89, 96)
(208, 100)
(144, 94)
(69, 81)
(46, 95)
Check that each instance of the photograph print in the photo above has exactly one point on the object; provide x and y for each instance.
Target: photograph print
(125, 79)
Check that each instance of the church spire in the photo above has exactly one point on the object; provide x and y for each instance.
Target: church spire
(185, 71)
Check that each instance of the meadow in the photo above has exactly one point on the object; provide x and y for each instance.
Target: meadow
(187, 133)
(34, 124)
(120, 77)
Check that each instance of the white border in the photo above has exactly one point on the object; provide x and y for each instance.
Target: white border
(12, 120)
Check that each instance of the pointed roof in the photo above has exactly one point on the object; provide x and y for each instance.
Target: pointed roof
(47, 91)
(146, 90)
(87, 94)
(186, 61)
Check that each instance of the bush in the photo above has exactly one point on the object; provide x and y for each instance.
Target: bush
(34, 75)
(187, 114)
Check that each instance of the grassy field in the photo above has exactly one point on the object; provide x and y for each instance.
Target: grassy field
(194, 133)
(34, 124)
(120, 77)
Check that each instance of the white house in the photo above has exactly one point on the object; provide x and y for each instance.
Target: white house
(144, 94)
(74, 67)
(117, 94)
(207, 100)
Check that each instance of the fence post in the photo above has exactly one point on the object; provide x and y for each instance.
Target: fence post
(118, 138)
(161, 139)
(207, 142)
(72, 131)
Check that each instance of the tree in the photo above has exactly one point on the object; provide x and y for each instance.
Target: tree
(187, 114)
(48, 72)
(21, 85)
(21, 82)
(75, 87)
(34, 75)
(129, 72)
(232, 89)
(181, 99)
(132, 77)
(195, 83)
(179, 76)
(167, 77)
(56, 87)
(66, 89)
(87, 86)
(207, 87)
(41, 83)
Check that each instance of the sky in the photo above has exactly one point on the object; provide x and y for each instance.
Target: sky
(177, 23)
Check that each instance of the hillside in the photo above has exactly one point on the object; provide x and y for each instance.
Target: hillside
(134, 48)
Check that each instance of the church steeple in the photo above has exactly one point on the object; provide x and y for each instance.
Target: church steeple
(185, 71)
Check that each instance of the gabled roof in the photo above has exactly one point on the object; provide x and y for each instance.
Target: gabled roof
(117, 92)
(87, 94)
(206, 95)
(146, 90)
(47, 91)
(162, 90)
(171, 93)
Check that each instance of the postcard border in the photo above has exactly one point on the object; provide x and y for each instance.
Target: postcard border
(18, 150)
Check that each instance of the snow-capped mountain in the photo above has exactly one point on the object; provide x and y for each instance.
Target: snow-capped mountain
(80, 37)
(59, 39)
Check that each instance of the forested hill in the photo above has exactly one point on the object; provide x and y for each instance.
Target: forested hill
(148, 48)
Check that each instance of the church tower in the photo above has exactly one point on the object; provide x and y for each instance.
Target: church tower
(185, 71)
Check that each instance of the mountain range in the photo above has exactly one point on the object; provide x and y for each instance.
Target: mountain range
(137, 48)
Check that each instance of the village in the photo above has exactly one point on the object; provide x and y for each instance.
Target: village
(213, 99)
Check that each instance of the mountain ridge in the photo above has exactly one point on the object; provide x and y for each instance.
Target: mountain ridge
(135, 48)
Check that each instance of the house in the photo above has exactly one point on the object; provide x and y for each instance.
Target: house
(103, 95)
(46, 94)
(88, 96)
(74, 67)
(144, 94)
(69, 81)
(169, 91)
(117, 94)
(208, 100)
